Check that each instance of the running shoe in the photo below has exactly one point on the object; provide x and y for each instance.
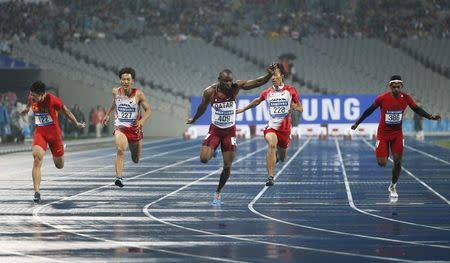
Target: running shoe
(269, 181)
(216, 200)
(392, 191)
(37, 198)
(119, 182)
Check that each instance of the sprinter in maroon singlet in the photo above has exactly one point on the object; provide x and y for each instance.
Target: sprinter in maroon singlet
(222, 98)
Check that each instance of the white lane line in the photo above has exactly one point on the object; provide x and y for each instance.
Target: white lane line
(90, 158)
(352, 204)
(350, 198)
(5, 254)
(147, 210)
(89, 171)
(426, 154)
(415, 177)
(38, 217)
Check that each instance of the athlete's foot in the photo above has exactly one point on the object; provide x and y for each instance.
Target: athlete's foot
(119, 182)
(217, 201)
(269, 181)
(37, 198)
(392, 191)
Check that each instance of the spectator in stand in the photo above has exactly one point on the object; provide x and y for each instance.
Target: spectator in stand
(97, 118)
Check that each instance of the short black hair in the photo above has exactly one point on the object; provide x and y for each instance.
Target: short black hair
(127, 70)
(396, 77)
(38, 87)
(223, 72)
(282, 69)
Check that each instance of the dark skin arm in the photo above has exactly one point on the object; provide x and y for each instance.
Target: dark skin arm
(425, 114)
(251, 84)
(203, 105)
(366, 114)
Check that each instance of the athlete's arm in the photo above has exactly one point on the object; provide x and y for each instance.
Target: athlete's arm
(203, 105)
(147, 108)
(251, 84)
(252, 104)
(111, 107)
(366, 114)
(423, 113)
(26, 110)
(297, 106)
(72, 118)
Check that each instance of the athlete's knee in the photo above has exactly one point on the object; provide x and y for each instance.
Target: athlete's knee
(382, 163)
(135, 159)
(120, 150)
(59, 165)
(204, 157)
(37, 156)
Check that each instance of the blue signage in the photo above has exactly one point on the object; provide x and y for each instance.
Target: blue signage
(317, 109)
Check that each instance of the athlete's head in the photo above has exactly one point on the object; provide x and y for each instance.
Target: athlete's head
(396, 84)
(37, 91)
(225, 79)
(277, 77)
(127, 76)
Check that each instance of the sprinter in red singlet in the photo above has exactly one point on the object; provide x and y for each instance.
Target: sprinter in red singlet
(47, 130)
(126, 103)
(281, 100)
(390, 135)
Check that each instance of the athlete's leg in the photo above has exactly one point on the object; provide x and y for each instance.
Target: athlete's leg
(228, 158)
(136, 150)
(397, 152)
(206, 153)
(209, 145)
(38, 156)
(397, 167)
(382, 152)
(121, 146)
(272, 141)
(58, 161)
(281, 154)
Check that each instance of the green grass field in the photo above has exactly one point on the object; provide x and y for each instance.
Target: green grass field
(443, 143)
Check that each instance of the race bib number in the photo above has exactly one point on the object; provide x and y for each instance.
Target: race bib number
(126, 113)
(233, 141)
(224, 114)
(279, 108)
(393, 117)
(42, 119)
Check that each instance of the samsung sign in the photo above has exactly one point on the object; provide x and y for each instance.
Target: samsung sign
(317, 109)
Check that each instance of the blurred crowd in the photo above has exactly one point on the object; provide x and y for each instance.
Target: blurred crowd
(15, 128)
(57, 21)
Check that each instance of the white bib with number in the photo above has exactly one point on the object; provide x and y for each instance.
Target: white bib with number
(223, 114)
(393, 117)
(127, 111)
(279, 103)
(42, 119)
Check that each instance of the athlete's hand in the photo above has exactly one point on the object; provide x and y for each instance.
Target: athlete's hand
(190, 121)
(272, 67)
(105, 120)
(81, 125)
(435, 117)
(239, 111)
(354, 126)
(24, 112)
(140, 123)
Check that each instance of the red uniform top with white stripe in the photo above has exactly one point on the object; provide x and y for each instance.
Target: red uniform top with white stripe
(45, 114)
(279, 102)
(392, 110)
